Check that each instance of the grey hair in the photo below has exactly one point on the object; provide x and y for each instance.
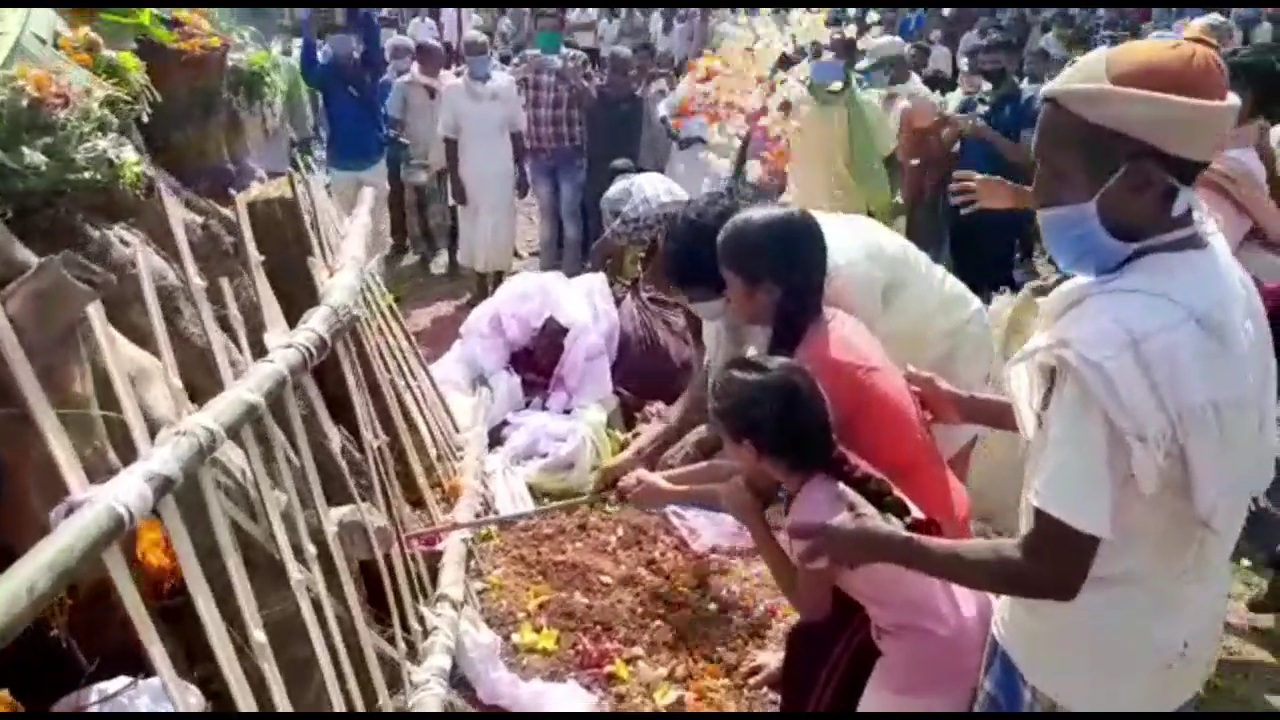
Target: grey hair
(618, 52)
(397, 42)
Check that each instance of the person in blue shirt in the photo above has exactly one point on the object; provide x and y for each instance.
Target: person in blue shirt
(347, 82)
(997, 127)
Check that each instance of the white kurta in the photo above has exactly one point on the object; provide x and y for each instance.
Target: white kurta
(482, 117)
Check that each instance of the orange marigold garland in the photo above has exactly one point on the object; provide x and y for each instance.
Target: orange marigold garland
(8, 704)
(156, 560)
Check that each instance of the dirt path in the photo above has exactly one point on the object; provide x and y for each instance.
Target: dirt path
(435, 304)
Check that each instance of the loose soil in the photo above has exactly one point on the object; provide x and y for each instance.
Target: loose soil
(635, 615)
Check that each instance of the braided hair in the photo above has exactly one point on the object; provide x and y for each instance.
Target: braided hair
(783, 247)
(774, 404)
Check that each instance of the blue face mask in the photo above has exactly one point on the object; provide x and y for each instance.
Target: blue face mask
(480, 66)
(1079, 243)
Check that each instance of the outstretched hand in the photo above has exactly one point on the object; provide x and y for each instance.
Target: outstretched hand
(971, 191)
(857, 536)
(939, 399)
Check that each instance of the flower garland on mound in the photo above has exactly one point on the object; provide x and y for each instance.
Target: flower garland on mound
(56, 137)
(743, 94)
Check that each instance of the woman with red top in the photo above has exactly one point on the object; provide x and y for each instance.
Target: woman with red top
(779, 285)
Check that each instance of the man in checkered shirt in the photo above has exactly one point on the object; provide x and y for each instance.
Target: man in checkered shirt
(555, 82)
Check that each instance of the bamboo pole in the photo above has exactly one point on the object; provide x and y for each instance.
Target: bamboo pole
(50, 566)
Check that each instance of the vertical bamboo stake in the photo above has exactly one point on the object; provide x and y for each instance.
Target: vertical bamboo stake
(74, 477)
(197, 286)
(261, 479)
(197, 583)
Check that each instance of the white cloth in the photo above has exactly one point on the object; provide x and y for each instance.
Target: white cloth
(345, 186)
(1262, 33)
(509, 320)
(1160, 427)
(450, 25)
(696, 170)
(609, 28)
(1143, 633)
(423, 28)
(924, 315)
(412, 105)
(896, 99)
(584, 38)
(481, 117)
(1177, 349)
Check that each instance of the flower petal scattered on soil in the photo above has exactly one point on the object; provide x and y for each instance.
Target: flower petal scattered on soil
(623, 592)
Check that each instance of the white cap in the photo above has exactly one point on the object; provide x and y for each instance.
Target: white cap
(881, 49)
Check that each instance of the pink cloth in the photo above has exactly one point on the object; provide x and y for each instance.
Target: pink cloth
(931, 633)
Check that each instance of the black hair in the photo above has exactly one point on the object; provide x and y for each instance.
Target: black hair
(999, 43)
(1255, 71)
(646, 47)
(689, 251)
(784, 247)
(776, 406)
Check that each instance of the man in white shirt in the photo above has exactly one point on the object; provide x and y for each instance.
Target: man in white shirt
(1141, 465)
(422, 28)
(583, 25)
(940, 57)
(454, 23)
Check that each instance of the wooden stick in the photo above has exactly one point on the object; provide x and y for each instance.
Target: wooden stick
(502, 519)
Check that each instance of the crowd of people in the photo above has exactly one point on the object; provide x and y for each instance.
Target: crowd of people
(1125, 155)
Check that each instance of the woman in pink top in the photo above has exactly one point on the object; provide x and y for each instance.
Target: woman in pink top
(931, 634)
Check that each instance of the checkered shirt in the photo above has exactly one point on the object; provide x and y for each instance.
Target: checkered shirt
(555, 119)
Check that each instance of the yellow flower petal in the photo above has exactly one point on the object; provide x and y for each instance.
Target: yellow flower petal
(666, 695)
(620, 671)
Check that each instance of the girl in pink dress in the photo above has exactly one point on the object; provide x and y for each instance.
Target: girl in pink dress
(931, 634)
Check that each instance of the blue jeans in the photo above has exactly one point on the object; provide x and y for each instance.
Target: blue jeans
(558, 178)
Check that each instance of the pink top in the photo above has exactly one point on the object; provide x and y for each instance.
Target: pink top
(931, 633)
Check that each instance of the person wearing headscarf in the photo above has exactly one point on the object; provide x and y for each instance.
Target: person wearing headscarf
(1141, 463)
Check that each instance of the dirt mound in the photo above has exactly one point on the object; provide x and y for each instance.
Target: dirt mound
(613, 599)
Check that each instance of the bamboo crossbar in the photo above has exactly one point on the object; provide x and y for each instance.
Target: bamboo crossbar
(55, 562)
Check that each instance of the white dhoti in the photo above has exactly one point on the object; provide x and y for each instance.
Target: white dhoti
(481, 117)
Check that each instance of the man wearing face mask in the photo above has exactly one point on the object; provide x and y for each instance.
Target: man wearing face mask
(347, 83)
(557, 90)
(482, 122)
(1142, 462)
(413, 110)
(399, 54)
(997, 126)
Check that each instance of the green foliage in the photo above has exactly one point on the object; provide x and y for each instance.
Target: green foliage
(56, 139)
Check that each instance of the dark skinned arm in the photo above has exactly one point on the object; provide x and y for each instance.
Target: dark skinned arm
(1050, 562)
(992, 411)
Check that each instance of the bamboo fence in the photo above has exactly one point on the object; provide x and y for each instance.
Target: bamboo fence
(392, 666)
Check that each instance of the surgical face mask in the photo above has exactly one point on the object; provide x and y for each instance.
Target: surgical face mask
(877, 79)
(479, 66)
(1079, 243)
(548, 42)
(708, 310)
(401, 65)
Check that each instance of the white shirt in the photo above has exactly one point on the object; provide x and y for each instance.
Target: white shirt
(608, 32)
(919, 311)
(941, 59)
(1262, 33)
(423, 28)
(584, 38)
(1143, 633)
(449, 23)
